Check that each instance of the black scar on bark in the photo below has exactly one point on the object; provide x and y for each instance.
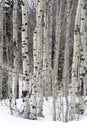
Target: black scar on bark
(82, 87)
(24, 57)
(34, 107)
(23, 30)
(26, 23)
(24, 93)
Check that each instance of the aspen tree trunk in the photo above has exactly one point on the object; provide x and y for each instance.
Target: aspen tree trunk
(34, 88)
(66, 62)
(45, 53)
(37, 89)
(56, 57)
(66, 58)
(39, 56)
(25, 56)
(85, 46)
(8, 75)
(9, 66)
(50, 26)
(15, 44)
(9, 80)
(48, 66)
(83, 64)
(75, 64)
(10, 88)
(5, 73)
(1, 46)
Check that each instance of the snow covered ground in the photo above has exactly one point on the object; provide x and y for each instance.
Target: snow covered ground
(8, 122)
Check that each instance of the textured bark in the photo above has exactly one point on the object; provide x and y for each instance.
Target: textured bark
(37, 89)
(56, 58)
(8, 76)
(66, 58)
(1, 46)
(25, 58)
(45, 53)
(10, 88)
(34, 86)
(16, 52)
(83, 64)
(50, 7)
(85, 48)
(9, 73)
(39, 56)
(75, 64)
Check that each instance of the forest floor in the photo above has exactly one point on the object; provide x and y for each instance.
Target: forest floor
(9, 122)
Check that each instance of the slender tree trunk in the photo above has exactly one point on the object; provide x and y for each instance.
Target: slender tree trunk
(83, 64)
(25, 58)
(39, 13)
(45, 54)
(15, 45)
(1, 47)
(56, 57)
(66, 62)
(85, 46)
(66, 57)
(34, 88)
(8, 76)
(50, 7)
(75, 64)
(37, 89)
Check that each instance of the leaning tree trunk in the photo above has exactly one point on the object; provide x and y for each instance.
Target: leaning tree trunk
(75, 64)
(25, 58)
(1, 46)
(15, 45)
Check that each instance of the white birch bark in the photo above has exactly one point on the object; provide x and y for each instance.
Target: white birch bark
(25, 58)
